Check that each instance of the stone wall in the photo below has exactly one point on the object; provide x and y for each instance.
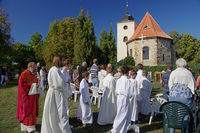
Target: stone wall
(137, 51)
(164, 51)
(161, 51)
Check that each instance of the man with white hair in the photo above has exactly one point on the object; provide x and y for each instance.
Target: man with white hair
(28, 103)
(181, 85)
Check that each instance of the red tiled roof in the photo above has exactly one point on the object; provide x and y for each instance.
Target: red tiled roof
(148, 28)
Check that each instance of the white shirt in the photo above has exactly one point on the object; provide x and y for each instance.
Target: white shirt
(182, 76)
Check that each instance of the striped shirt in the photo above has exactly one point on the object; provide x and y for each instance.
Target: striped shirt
(94, 71)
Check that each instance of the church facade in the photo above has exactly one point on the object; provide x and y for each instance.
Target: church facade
(146, 42)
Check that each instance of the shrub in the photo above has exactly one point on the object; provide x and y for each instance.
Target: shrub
(128, 61)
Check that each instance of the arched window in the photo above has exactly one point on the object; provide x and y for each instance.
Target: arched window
(163, 57)
(125, 39)
(145, 53)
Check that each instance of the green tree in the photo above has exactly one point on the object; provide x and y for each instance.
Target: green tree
(128, 61)
(104, 48)
(187, 47)
(79, 39)
(85, 48)
(175, 35)
(112, 47)
(5, 37)
(37, 44)
(59, 40)
(22, 55)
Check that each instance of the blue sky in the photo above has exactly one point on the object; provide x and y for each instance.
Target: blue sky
(30, 16)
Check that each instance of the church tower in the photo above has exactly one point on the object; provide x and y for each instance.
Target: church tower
(125, 29)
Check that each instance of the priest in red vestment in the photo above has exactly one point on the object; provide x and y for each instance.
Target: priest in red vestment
(27, 106)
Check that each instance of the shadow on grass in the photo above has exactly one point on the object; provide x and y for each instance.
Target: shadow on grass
(94, 128)
(10, 84)
(155, 125)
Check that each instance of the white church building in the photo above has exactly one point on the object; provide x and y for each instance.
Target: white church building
(146, 42)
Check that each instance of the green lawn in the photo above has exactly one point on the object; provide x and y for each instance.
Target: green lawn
(9, 123)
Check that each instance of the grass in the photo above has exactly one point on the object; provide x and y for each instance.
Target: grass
(9, 123)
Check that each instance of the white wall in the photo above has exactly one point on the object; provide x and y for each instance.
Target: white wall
(121, 33)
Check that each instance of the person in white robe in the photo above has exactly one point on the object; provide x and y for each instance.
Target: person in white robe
(67, 79)
(55, 118)
(139, 79)
(84, 109)
(108, 108)
(137, 97)
(124, 93)
(145, 92)
(101, 75)
(43, 77)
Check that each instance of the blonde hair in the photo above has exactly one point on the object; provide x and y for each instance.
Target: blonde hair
(56, 61)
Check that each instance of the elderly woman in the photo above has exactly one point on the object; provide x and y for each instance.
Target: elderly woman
(181, 84)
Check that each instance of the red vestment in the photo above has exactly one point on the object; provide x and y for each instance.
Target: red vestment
(28, 105)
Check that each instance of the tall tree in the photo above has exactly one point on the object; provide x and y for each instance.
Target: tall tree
(5, 37)
(37, 44)
(22, 54)
(85, 48)
(175, 35)
(104, 48)
(112, 47)
(79, 39)
(91, 45)
(59, 40)
(187, 47)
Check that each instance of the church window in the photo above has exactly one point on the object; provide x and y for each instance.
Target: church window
(125, 39)
(163, 58)
(125, 27)
(145, 53)
(146, 26)
(131, 52)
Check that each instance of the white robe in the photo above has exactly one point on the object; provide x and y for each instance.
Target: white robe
(101, 75)
(145, 92)
(85, 110)
(55, 118)
(68, 90)
(124, 93)
(137, 97)
(108, 107)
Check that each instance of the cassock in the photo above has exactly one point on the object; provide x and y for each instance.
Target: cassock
(124, 93)
(85, 110)
(145, 92)
(68, 90)
(108, 107)
(136, 98)
(27, 105)
(55, 118)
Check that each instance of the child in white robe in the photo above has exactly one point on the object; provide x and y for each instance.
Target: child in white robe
(108, 109)
(124, 93)
(145, 91)
(84, 110)
(137, 97)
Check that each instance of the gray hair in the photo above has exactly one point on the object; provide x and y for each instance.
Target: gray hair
(109, 65)
(84, 63)
(30, 64)
(181, 62)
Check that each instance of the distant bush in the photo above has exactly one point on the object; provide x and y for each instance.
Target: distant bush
(128, 61)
